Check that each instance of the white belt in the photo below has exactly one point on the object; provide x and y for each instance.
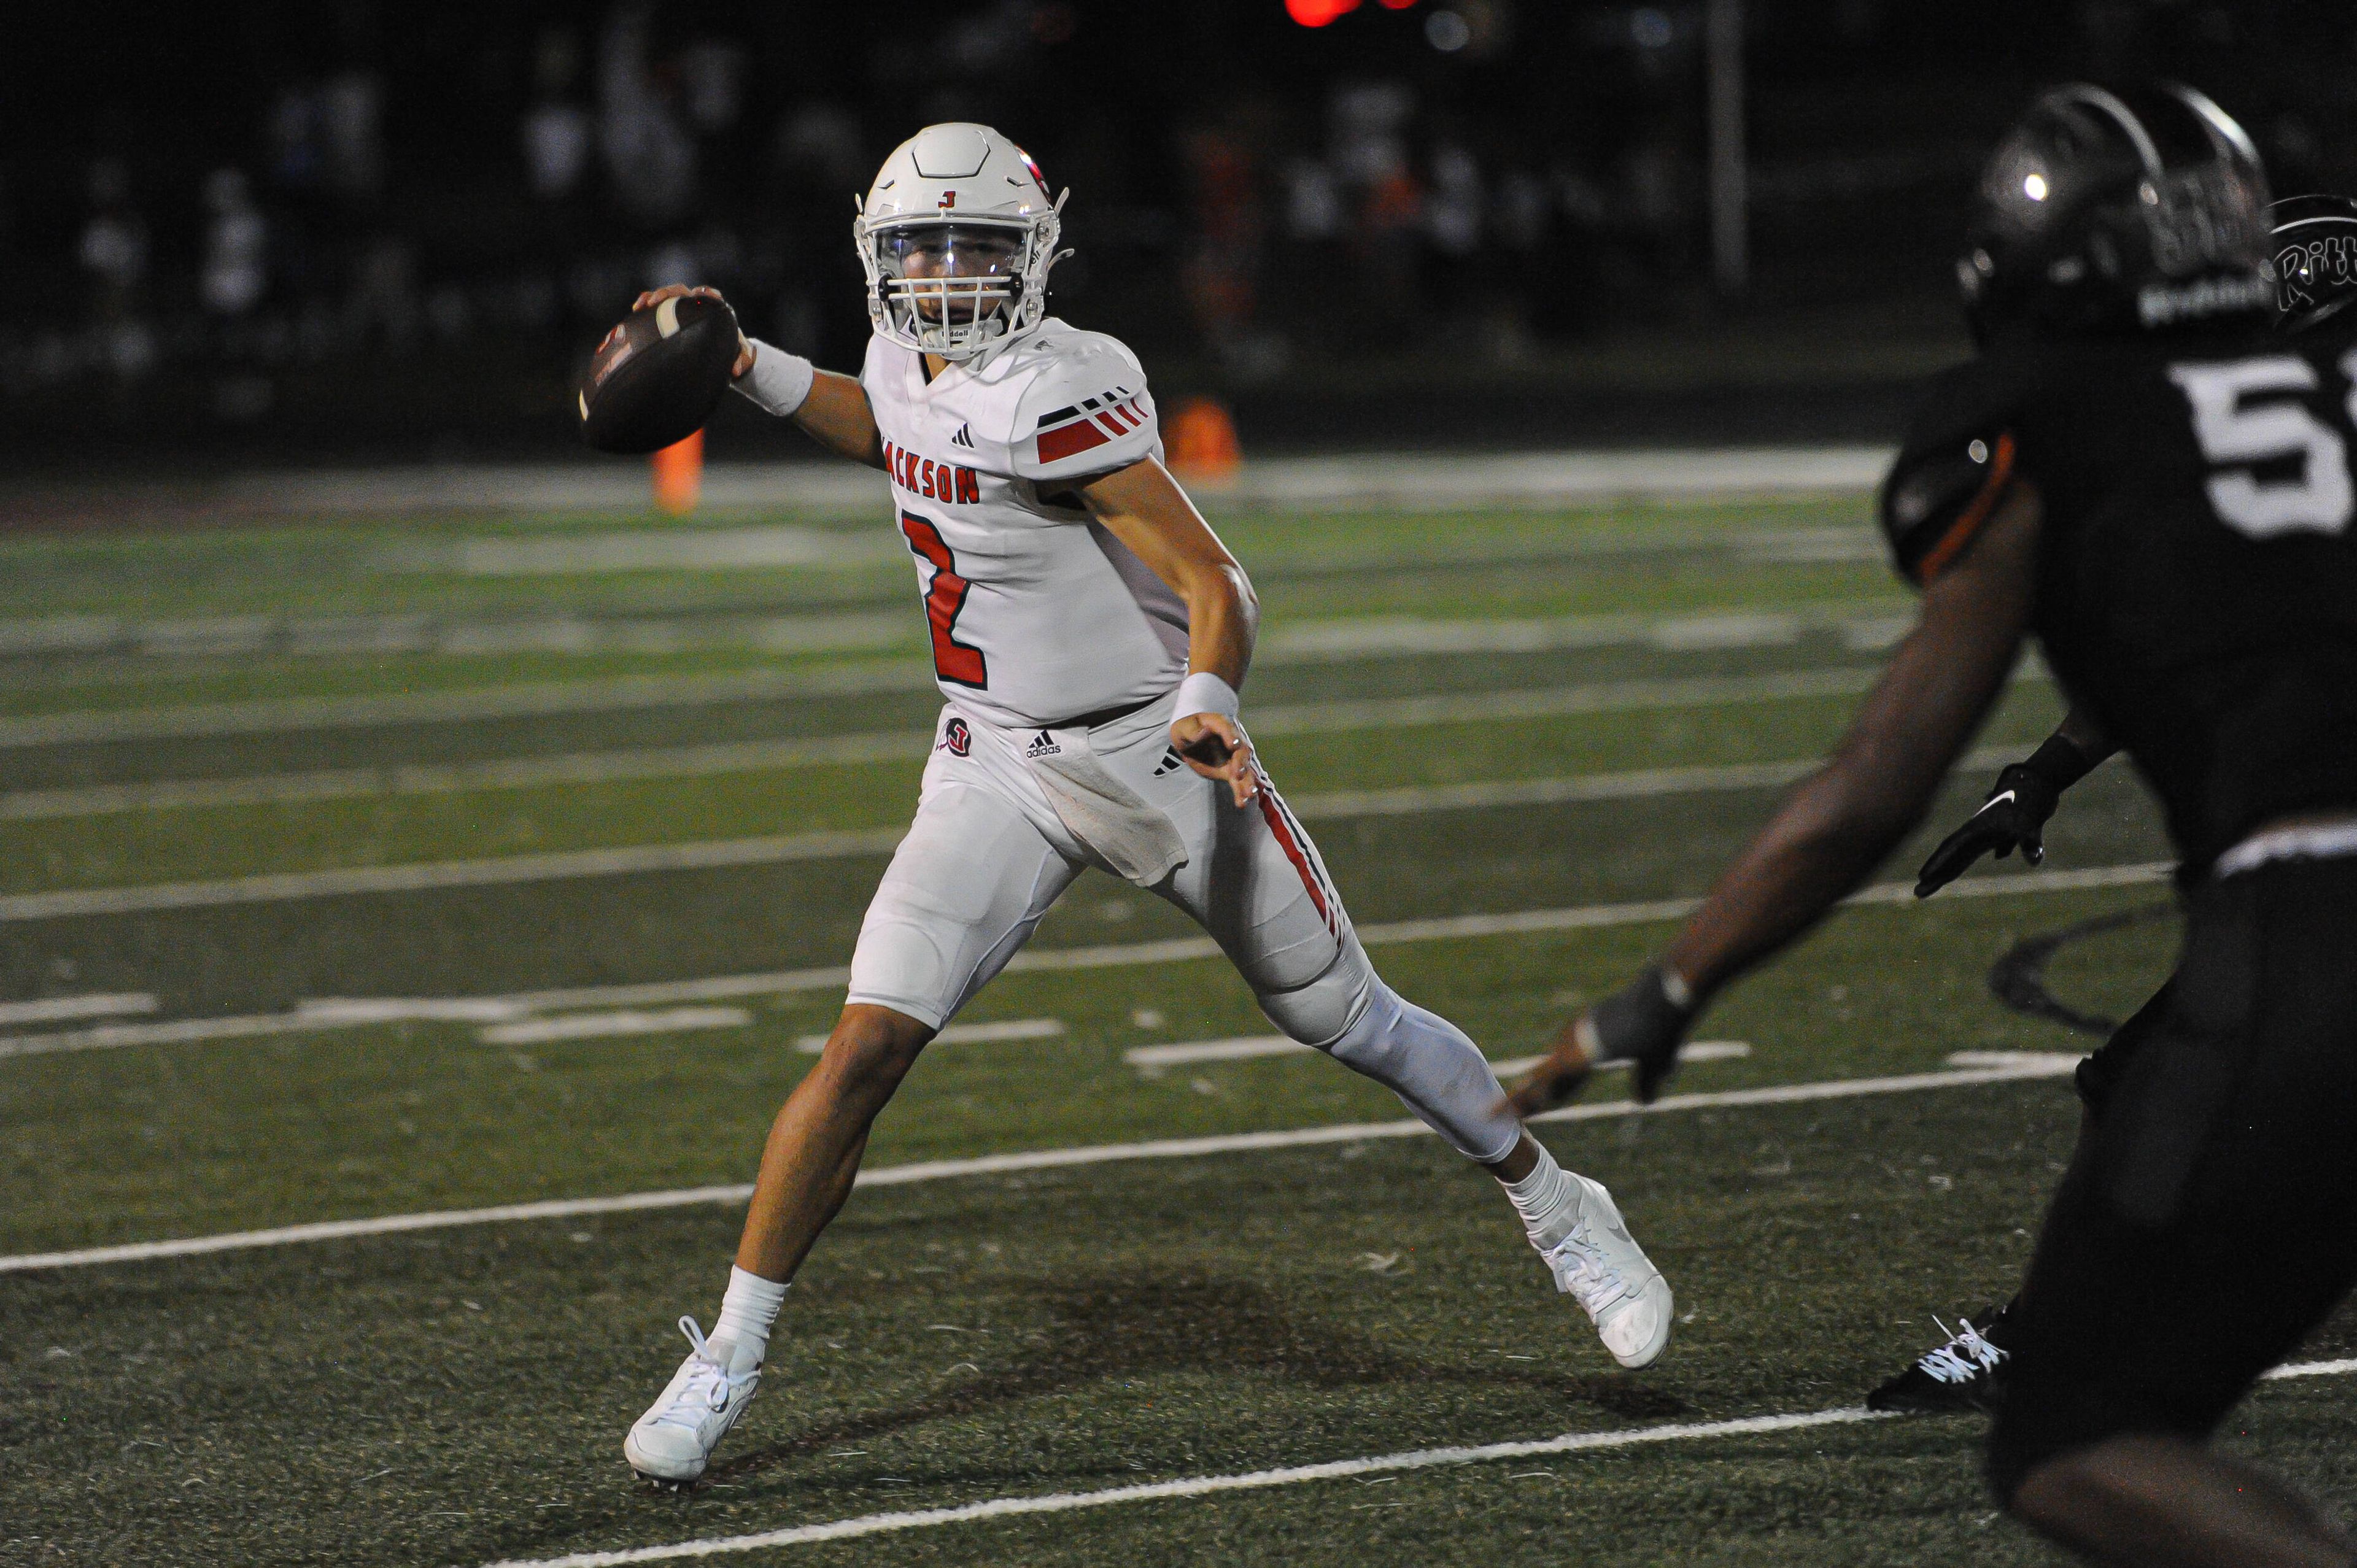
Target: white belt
(2319, 841)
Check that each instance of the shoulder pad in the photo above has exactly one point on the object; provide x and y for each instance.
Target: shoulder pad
(1085, 409)
(1958, 461)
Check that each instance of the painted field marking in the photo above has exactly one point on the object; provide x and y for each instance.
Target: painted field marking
(60, 1009)
(1649, 783)
(1256, 1481)
(1176, 949)
(2017, 1068)
(274, 715)
(889, 745)
(1864, 626)
(995, 1033)
(607, 1025)
(1152, 1060)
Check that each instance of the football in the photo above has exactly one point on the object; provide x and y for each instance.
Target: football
(658, 375)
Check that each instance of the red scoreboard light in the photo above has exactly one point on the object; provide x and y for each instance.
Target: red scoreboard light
(1318, 13)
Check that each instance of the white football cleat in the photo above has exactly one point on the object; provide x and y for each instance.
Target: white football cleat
(674, 1440)
(1601, 1265)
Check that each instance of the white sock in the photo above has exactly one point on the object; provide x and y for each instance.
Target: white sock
(746, 1313)
(1549, 1199)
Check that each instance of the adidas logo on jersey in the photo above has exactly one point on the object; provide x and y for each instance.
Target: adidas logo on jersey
(964, 437)
(1171, 761)
(1043, 744)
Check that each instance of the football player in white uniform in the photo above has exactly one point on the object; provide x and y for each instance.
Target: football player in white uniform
(1090, 633)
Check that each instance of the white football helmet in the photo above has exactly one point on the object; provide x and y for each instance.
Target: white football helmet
(957, 236)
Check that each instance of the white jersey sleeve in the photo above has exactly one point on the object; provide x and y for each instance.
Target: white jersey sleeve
(1086, 412)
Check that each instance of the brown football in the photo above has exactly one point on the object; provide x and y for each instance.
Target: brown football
(659, 375)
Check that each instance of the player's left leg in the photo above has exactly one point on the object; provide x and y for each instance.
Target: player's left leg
(2222, 1149)
(1255, 882)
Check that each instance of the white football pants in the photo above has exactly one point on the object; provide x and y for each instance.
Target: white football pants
(988, 855)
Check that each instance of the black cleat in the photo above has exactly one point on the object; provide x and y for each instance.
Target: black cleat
(1967, 1374)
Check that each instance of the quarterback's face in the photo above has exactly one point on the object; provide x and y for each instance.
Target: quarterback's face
(942, 252)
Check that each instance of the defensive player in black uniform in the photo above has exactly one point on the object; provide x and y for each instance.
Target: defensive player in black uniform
(2314, 249)
(2139, 472)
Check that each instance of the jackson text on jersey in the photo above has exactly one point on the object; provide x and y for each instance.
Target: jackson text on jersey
(920, 476)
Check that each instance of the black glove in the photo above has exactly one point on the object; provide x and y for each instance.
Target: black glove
(2013, 817)
(1642, 1024)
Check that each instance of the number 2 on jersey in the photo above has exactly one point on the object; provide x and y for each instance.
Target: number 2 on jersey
(2236, 435)
(958, 662)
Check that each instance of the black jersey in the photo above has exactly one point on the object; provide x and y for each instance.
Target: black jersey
(2196, 591)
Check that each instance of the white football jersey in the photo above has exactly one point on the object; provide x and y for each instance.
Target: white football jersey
(1039, 614)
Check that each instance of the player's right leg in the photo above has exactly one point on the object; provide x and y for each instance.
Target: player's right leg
(1967, 1372)
(964, 891)
(2220, 1181)
(1255, 882)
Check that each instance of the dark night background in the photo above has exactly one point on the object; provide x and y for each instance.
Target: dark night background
(247, 232)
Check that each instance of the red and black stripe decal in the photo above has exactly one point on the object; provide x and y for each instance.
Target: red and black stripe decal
(1089, 424)
(1298, 849)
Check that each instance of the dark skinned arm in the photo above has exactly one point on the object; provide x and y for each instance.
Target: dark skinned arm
(1833, 830)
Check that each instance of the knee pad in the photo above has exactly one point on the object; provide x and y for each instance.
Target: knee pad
(1320, 1013)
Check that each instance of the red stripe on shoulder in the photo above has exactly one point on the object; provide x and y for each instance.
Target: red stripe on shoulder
(1069, 440)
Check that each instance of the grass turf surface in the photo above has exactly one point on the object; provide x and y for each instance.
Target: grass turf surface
(458, 1396)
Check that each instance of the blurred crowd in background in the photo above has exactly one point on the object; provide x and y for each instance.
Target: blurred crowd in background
(207, 220)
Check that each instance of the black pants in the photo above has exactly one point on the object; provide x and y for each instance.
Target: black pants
(2211, 1219)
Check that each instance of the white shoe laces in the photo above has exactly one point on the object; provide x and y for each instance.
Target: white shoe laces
(1597, 1284)
(1964, 1356)
(707, 1388)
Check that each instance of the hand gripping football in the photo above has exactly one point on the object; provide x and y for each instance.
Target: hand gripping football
(659, 375)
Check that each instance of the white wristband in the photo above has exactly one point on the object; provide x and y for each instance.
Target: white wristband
(778, 382)
(1204, 693)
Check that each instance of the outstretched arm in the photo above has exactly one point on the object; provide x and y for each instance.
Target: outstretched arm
(832, 412)
(1836, 828)
(2014, 814)
(1144, 508)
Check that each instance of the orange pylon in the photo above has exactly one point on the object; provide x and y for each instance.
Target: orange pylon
(678, 475)
(1202, 439)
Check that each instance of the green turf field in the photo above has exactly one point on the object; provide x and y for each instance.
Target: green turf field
(367, 869)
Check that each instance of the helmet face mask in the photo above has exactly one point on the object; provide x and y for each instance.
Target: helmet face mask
(956, 238)
(2104, 213)
(950, 287)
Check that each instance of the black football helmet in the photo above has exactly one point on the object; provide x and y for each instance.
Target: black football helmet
(2315, 242)
(2105, 211)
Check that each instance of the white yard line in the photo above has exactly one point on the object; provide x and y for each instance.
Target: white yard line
(1253, 1480)
(1177, 950)
(1153, 1059)
(1000, 1032)
(277, 715)
(61, 1009)
(609, 1025)
(1863, 626)
(844, 843)
(2026, 1065)
(874, 746)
